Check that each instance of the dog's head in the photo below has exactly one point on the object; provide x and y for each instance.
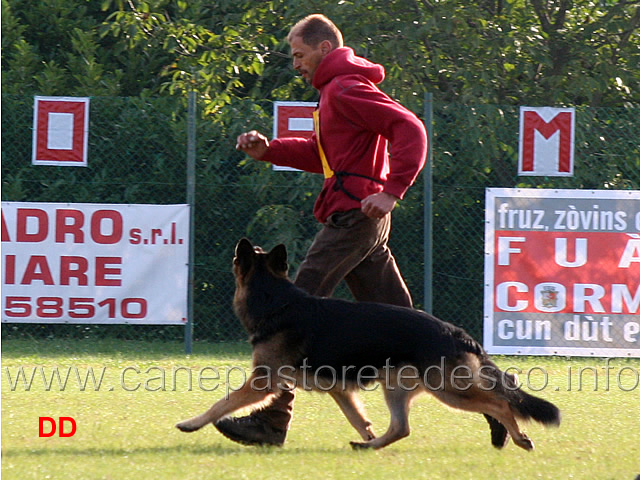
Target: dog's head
(249, 259)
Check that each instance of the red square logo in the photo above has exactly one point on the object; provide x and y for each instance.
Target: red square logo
(293, 119)
(60, 131)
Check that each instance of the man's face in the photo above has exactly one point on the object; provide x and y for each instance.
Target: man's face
(307, 58)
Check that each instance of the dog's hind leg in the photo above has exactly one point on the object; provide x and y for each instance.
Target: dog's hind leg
(351, 405)
(399, 401)
(499, 434)
(501, 411)
(487, 403)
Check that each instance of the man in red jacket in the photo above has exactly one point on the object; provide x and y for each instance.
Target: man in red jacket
(370, 150)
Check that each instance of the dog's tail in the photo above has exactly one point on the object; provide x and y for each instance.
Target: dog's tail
(526, 406)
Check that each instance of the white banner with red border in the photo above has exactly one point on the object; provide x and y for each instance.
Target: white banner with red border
(94, 263)
(292, 119)
(562, 272)
(60, 131)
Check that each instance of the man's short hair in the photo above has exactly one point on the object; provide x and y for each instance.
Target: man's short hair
(315, 29)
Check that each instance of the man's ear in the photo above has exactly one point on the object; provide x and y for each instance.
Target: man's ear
(244, 255)
(325, 47)
(277, 259)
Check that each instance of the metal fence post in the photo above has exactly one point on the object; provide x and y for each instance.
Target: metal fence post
(191, 197)
(428, 206)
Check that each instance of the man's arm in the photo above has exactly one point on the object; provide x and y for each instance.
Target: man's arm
(300, 153)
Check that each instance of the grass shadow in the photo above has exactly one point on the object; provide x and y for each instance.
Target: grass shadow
(217, 450)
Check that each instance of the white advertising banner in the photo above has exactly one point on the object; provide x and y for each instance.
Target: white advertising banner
(562, 272)
(94, 263)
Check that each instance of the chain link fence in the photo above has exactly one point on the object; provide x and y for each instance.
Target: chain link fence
(137, 154)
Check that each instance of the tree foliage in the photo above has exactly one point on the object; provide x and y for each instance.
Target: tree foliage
(548, 52)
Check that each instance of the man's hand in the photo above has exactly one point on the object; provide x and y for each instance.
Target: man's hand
(378, 204)
(253, 143)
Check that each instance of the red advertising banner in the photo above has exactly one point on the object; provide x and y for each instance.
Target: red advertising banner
(94, 263)
(60, 131)
(562, 271)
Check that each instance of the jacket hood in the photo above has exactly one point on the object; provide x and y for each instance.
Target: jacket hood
(343, 61)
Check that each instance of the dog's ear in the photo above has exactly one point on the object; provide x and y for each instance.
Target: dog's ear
(244, 255)
(277, 259)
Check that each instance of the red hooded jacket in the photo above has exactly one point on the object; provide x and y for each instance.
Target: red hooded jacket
(359, 127)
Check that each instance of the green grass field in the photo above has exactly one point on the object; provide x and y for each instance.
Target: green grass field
(125, 421)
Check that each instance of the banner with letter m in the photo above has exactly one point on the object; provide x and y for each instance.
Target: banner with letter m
(546, 141)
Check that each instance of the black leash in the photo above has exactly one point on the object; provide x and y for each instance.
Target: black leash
(339, 185)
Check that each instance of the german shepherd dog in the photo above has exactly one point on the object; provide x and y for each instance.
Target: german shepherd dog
(337, 346)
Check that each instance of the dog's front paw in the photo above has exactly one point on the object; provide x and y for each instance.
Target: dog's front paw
(186, 427)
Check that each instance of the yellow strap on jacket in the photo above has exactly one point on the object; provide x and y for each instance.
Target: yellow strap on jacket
(326, 169)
